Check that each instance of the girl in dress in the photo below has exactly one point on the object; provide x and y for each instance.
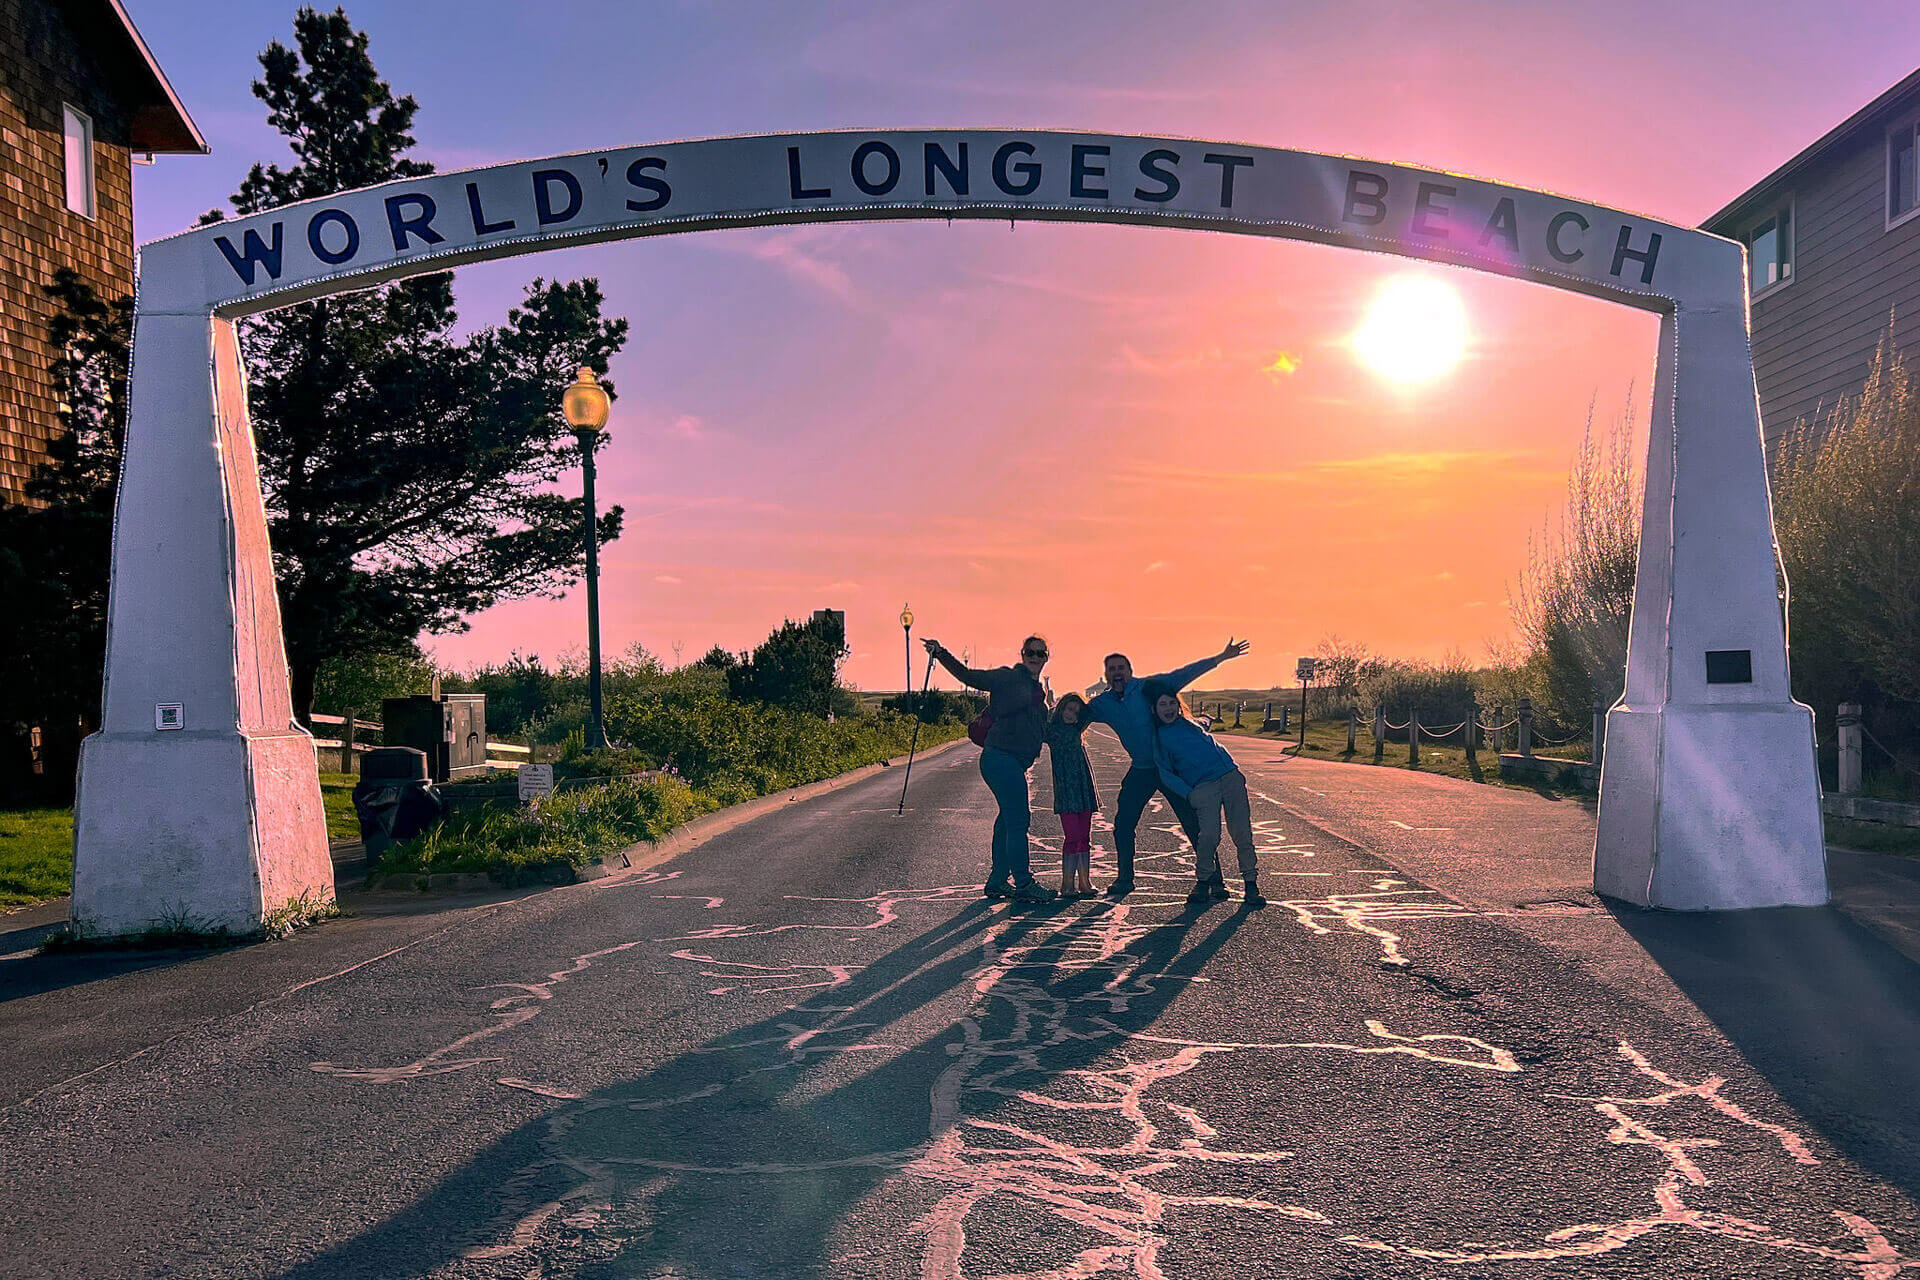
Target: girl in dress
(1073, 795)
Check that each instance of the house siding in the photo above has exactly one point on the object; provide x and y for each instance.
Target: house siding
(42, 68)
(1814, 339)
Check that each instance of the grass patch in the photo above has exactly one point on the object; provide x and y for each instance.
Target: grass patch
(567, 829)
(36, 855)
(1327, 740)
(36, 845)
(573, 829)
(1872, 837)
(336, 793)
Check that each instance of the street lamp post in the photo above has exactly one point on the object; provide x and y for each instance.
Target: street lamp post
(585, 405)
(906, 627)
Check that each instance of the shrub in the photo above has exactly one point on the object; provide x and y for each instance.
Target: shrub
(1847, 508)
(934, 706)
(573, 828)
(796, 668)
(1444, 693)
(1575, 595)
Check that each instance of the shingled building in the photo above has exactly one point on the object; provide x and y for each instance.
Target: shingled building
(81, 102)
(1833, 243)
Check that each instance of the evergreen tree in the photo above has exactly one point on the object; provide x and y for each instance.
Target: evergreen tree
(54, 549)
(797, 667)
(409, 473)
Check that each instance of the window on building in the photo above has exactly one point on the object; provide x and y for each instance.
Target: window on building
(79, 162)
(1770, 250)
(1903, 178)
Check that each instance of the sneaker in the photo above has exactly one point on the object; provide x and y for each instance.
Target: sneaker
(1202, 892)
(996, 888)
(1254, 897)
(1120, 889)
(1218, 889)
(1032, 891)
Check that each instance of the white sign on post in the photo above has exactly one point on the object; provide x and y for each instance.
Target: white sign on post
(1303, 669)
(536, 780)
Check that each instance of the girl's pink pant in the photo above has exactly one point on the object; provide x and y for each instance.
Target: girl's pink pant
(1078, 830)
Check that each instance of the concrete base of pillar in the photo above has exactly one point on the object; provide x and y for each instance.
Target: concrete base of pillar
(199, 830)
(1743, 829)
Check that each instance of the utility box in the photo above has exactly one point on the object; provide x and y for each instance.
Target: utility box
(451, 729)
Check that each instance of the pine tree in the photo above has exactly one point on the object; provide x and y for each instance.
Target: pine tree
(54, 549)
(409, 473)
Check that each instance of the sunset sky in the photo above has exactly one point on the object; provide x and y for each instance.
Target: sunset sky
(1126, 438)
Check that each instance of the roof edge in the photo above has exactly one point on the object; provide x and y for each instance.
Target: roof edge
(161, 126)
(1807, 154)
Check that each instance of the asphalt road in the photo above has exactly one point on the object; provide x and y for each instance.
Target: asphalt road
(809, 1048)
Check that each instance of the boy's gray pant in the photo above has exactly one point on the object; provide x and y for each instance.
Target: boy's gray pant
(1226, 793)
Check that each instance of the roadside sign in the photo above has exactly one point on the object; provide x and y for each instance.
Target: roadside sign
(536, 780)
(1303, 669)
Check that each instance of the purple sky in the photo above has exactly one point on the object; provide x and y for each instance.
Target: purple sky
(1072, 428)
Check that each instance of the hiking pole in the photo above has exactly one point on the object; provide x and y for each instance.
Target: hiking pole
(915, 746)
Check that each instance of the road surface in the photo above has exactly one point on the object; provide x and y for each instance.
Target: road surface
(809, 1048)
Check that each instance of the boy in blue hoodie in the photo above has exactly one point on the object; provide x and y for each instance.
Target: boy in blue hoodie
(1198, 769)
(1122, 706)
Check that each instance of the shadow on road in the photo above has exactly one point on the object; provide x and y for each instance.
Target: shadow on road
(667, 1174)
(1827, 1010)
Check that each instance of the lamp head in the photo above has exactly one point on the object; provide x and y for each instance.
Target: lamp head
(585, 403)
(906, 617)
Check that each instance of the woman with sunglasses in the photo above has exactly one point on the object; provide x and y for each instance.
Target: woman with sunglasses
(1018, 704)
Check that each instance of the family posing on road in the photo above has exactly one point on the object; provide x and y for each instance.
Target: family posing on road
(1168, 752)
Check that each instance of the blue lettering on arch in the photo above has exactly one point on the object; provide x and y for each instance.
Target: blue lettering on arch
(543, 181)
(481, 227)
(1082, 167)
(637, 176)
(1154, 166)
(891, 158)
(954, 171)
(318, 243)
(1227, 163)
(1561, 221)
(254, 250)
(421, 224)
(1028, 171)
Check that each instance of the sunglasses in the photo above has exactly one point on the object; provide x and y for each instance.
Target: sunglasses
(1035, 653)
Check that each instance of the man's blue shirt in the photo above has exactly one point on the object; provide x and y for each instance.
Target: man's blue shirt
(1128, 714)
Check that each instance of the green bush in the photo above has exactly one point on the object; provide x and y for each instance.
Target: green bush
(714, 751)
(570, 828)
(1444, 694)
(935, 706)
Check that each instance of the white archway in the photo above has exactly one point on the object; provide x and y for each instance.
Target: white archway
(1709, 799)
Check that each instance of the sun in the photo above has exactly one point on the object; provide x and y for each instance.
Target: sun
(1415, 330)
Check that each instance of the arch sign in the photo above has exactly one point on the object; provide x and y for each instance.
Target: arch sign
(199, 794)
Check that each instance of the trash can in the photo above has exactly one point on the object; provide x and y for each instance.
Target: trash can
(394, 798)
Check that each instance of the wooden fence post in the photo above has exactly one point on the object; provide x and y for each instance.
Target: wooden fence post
(1379, 732)
(346, 743)
(1851, 747)
(1473, 729)
(1599, 733)
(1413, 737)
(1525, 716)
(1353, 727)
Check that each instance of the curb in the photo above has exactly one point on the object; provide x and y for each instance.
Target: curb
(644, 856)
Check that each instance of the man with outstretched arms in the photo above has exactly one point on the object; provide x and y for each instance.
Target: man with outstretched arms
(1122, 707)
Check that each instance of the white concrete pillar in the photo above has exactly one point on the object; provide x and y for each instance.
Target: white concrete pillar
(1709, 797)
(217, 823)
